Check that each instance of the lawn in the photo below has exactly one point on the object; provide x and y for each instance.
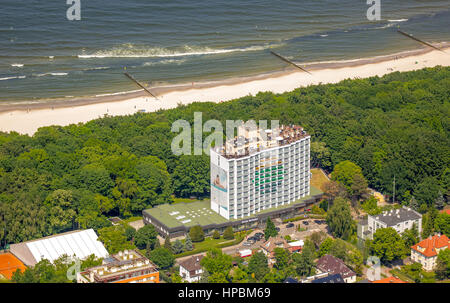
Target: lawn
(398, 274)
(209, 242)
(319, 179)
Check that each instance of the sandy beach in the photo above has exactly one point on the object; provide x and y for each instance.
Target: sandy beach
(26, 118)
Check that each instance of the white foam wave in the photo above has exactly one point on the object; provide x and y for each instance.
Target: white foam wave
(130, 51)
(165, 61)
(386, 26)
(97, 68)
(323, 35)
(17, 65)
(398, 20)
(52, 74)
(119, 93)
(11, 78)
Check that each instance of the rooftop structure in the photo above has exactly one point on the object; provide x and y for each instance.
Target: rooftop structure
(431, 246)
(10, 264)
(79, 243)
(335, 278)
(251, 139)
(395, 216)
(269, 246)
(426, 251)
(445, 211)
(333, 265)
(400, 219)
(128, 266)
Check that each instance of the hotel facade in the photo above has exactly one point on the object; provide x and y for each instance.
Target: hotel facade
(260, 169)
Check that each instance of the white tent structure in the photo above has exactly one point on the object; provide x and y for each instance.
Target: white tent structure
(80, 243)
(245, 253)
(297, 243)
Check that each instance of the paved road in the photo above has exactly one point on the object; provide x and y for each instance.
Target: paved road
(292, 232)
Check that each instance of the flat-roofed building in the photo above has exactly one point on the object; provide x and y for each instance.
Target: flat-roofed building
(399, 219)
(260, 169)
(78, 243)
(127, 266)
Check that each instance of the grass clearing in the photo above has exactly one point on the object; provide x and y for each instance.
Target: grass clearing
(319, 179)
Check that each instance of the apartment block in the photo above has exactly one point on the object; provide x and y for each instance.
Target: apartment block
(260, 169)
(128, 266)
(400, 219)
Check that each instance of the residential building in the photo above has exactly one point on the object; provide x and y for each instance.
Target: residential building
(128, 266)
(426, 251)
(268, 247)
(259, 170)
(245, 253)
(296, 246)
(78, 243)
(332, 265)
(335, 278)
(445, 211)
(10, 264)
(191, 270)
(400, 219)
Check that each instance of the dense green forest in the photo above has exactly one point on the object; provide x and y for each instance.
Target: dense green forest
(76, 176)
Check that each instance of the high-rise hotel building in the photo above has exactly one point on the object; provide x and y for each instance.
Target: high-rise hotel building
(259, 169)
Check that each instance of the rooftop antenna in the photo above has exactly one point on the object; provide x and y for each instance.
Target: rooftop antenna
(393, 195)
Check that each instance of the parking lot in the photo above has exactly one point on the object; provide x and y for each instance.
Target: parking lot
(291, 229)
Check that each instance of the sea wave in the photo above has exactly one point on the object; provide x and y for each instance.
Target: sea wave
(97, 68)
(398, 20)
(165, 61)
(52, 74)
(131, 51)
(119, 93)
(11, 78)
(385, 26)
(17, 65)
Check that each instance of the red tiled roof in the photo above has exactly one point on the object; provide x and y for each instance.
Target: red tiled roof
(295, 248)
(389, 280)
(9, 264)
(445, 211)
(429, 245)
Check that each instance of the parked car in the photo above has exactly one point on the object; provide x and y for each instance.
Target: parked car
(259, 237)
(247, 244)
(305, 222)
(289, 225)
(252, 239)
(277, 228)
(318, 221)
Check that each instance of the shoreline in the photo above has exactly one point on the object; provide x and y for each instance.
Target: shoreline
(26, 118)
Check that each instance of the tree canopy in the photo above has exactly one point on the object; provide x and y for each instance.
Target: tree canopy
(395, 125)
